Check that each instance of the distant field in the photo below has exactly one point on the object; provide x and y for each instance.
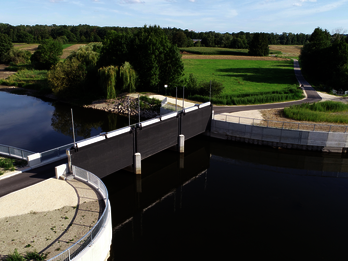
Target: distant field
(241, 77)
(214, 51)
(67, 48)
(287, 50)
(29, 47)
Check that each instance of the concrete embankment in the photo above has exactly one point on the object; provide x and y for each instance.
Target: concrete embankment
(293, 139)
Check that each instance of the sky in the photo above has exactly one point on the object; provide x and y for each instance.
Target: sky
(277, 16)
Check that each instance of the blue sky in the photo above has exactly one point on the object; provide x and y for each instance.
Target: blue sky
(297, 16)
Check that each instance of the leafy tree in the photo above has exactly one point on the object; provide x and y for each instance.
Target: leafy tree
(47, 54)
(180, 39)
(155, 59)
(5, 45)
(259, 45)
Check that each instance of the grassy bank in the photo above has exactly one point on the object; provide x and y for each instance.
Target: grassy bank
(247, 81)
(328, 111)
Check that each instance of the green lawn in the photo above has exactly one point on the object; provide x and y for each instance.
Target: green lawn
(215, 51)
(243, 77)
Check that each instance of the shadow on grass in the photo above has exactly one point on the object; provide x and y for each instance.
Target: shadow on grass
(261, 75)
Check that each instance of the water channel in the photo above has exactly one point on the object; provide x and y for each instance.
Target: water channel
(222, 200)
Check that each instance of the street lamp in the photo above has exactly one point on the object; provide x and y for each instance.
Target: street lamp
(166, 86)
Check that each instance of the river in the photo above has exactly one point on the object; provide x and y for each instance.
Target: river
(222, 200)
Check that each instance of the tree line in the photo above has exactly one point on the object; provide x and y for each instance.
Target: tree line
(324, 59)
(182, 38)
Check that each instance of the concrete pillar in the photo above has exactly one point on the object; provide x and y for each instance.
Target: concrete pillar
(181, 143)
(137, 163)
(69, 161)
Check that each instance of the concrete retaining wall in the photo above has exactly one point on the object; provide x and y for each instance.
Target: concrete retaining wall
(99, 250)
(297, 139)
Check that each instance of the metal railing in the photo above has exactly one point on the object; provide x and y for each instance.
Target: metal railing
(282, 124)
(88, 238)
(54, 153)
(14, 152)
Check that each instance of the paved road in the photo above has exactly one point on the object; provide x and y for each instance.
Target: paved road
(29, 178)
(312, 96)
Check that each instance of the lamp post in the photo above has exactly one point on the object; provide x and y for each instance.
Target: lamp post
(166, 86)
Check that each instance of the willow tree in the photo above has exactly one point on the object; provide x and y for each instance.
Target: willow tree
(117, 79)
(107, 80)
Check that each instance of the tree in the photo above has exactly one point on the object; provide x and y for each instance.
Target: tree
(47, 54)
(155, 59)
(259, 45)
(180, 39)
(5, 45)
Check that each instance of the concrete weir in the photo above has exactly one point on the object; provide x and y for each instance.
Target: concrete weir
(282, 138)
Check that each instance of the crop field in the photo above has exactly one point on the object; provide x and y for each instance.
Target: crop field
(287, 50)
(29, 47)
(69, 49)
(242, 77)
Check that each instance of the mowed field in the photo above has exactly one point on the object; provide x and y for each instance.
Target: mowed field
(287, 50)
(33, 47)
(244, 76)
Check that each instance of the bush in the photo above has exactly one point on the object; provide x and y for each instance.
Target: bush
(16, 56)
(47, 54)
(5, 45)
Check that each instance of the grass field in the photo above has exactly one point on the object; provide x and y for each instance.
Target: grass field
(328, 111)
(214, 51)
(242, 77)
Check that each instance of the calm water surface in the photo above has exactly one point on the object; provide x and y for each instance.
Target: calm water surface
(220, 201)
(38, 125)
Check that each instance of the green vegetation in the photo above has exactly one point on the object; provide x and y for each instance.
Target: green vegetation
(7, 164)
(31, 79)
(67, 45)
(47, 54)
(259, 45)
(325, 59)
(327, 111)
(215, 51)
(34, 255)
(246, 81)
(5, 45)
(156, 61)
(147, 103)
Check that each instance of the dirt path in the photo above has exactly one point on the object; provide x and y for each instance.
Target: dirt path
(4, 74)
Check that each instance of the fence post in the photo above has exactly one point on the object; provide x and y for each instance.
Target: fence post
(22, 154)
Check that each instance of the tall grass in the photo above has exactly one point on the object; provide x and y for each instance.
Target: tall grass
(327, 111)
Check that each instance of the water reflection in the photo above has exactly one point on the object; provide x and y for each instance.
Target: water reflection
(38, 124)
(245, 205)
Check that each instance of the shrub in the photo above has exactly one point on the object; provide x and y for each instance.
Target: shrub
(47, 54)
(16, 56)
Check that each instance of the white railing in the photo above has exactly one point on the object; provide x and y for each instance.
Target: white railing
(14, 152)
(282, 124)
(88, 238)
(55, 153)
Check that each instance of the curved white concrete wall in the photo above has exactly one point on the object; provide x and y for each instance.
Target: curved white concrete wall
(325, 141)
(99, 249)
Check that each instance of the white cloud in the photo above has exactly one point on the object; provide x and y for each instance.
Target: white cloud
(192, 1)
(132, 2)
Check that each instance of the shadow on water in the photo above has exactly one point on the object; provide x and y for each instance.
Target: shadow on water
(244, 204)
